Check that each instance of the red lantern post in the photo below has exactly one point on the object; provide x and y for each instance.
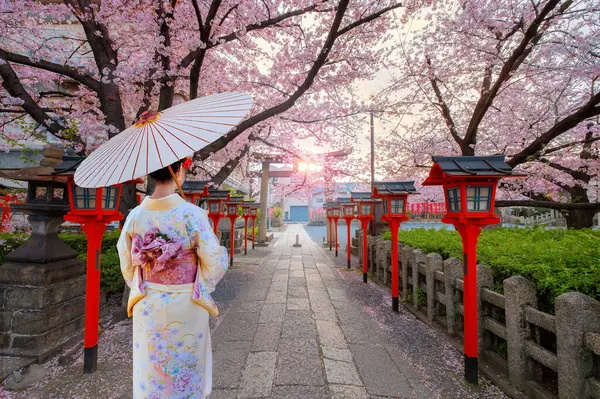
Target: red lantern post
(216, 200)
(395, 197)
(335, 216)
(246, 208)
(254, 215)
(348, 215)
(93, 209)
(232, 215)
(366, 208)
(329, 213)
(470, 190)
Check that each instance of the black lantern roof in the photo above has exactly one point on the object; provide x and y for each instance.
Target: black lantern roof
(218, 194)
(398, 187)
(447, 169)
(343, 201)
(236, 199)
(331, 204)
(474, 166)
(68, 166)
(190, 186)
(362, 196)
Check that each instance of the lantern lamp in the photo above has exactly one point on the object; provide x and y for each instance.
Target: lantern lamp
(253, 216)
(232, 205)
(347, 209)
(216, 206)
(366, 207)
(394, 196)
(93, 209)
(246, 209)
(469, 185)
(335, 212)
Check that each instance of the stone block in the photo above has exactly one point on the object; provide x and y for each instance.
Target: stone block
(576, 315)
(519, 292)
(433, 262)
(33, 322)
(6, 320)
(22, 297)
(38, 275)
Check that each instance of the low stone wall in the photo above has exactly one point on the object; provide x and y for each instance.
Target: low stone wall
(542, 355)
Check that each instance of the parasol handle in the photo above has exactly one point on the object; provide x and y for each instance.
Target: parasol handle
(176, 182)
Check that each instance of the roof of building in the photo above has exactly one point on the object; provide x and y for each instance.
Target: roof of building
(397, 187)
(362, 196)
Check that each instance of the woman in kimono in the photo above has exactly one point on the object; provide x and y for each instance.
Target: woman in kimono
(171, 260)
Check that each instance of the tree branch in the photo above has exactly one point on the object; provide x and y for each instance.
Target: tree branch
(188, 59)
(65, 70)
(531, 152)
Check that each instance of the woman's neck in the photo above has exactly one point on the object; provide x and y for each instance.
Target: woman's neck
(163, 190)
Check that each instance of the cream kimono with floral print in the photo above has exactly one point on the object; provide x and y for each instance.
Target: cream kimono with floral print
(171, 303)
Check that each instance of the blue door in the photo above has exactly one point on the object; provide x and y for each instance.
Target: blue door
(298, 213)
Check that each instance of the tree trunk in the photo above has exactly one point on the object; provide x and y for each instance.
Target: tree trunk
(579, 219)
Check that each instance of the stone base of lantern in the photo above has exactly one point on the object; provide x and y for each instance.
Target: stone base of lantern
(42, 307)
(42, 293)
(225, 229)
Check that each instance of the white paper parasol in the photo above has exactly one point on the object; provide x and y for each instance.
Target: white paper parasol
(159, 139)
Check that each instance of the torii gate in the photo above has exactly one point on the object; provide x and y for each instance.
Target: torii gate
(267, 160)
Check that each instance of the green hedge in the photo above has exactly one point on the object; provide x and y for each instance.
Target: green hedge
(111, 279)
(556, 260)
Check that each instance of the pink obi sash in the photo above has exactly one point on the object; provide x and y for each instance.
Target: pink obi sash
(179, 270)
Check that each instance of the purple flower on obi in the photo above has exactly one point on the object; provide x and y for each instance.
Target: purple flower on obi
(184, 381)
(180, 344)
(154, 248)
(200, 336)
(153, 358)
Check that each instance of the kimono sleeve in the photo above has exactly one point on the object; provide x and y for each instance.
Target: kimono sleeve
(211, 256)
(124, 248)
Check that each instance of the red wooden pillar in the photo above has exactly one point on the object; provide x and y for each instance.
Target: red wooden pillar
(253, 219)
(394, 226)
(365, 228)
(245, 235)
(231, 241)
(94, 231)
(335, 222)
(348, 222)
(470, 234)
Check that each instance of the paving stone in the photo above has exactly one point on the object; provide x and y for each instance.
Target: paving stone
(299, 392)
(255, 294)
(322, 310)
(342, 355)
(276, 297)
(296, 282)
(247, 306)
(297, 273)
(257, 377)
(330, 334)
(298, 324)
(337, 294)
(221, 345)
(297, 292)
(298, 304)
(272, 313)
(298, 363)
(223, 394)
(240, 328)
(341, 373)
(406, 367)
(379, 373)
(315, 293)
(347, 392)
(267, 337)
(227, 368)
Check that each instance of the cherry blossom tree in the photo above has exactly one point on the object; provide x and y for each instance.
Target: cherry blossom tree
(84, 70)
(514, 77)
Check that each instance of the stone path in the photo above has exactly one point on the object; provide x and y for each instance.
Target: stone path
(295, 332)
(295, 323)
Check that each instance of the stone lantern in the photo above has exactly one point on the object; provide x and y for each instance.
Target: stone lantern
(43, 283)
